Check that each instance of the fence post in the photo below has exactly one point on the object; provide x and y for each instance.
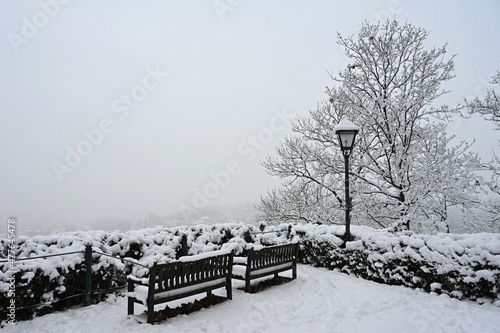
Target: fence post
(247, 237)
(184, 244)
(88, 273)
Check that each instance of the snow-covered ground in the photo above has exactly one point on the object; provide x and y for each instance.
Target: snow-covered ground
(318, 301)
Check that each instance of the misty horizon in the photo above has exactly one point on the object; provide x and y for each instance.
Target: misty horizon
(123, 110)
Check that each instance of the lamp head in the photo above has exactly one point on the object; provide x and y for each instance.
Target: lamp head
(346, 132)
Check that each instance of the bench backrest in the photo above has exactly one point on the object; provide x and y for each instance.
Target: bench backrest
(272, 255)
(180, 274)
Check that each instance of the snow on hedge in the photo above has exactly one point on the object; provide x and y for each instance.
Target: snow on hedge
(463, 266)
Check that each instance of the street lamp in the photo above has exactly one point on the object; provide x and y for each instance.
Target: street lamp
(346, 132)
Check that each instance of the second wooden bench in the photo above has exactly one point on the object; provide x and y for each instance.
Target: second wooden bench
(266, 261)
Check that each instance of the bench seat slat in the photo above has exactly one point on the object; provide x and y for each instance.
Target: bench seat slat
(271, 269)
(141, 292)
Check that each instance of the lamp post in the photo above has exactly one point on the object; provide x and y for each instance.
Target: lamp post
(346, 131)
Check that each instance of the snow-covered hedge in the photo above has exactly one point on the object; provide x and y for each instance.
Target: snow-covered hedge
(45, 284)
(462, 266)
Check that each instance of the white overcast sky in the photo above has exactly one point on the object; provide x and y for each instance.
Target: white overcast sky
(69, 68)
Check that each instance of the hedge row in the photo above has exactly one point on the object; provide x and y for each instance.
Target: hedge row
(462, 266)
(46, 284)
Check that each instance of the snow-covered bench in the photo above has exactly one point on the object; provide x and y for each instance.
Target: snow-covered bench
(266, 261)
(182, 278)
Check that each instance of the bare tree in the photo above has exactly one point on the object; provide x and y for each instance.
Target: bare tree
(404, 172)
(488, 106)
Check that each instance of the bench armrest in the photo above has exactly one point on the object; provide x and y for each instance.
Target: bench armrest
(136, 280)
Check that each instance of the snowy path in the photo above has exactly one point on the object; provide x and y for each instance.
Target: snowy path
(318, 301)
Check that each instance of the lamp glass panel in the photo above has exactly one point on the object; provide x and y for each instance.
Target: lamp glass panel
(346, 139)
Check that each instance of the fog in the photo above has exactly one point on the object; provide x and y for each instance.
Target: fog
(124, 109)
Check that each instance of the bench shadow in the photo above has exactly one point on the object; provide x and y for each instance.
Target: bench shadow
(266, 284)
(187, 308)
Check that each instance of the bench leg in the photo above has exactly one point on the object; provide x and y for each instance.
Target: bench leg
(294, 270)
(229, 289)
(247, 285)
(151, 313)
(130, 308)
(209, 293)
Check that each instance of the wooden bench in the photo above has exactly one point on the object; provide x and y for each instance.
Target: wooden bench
(182, 278)
(266, 261)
